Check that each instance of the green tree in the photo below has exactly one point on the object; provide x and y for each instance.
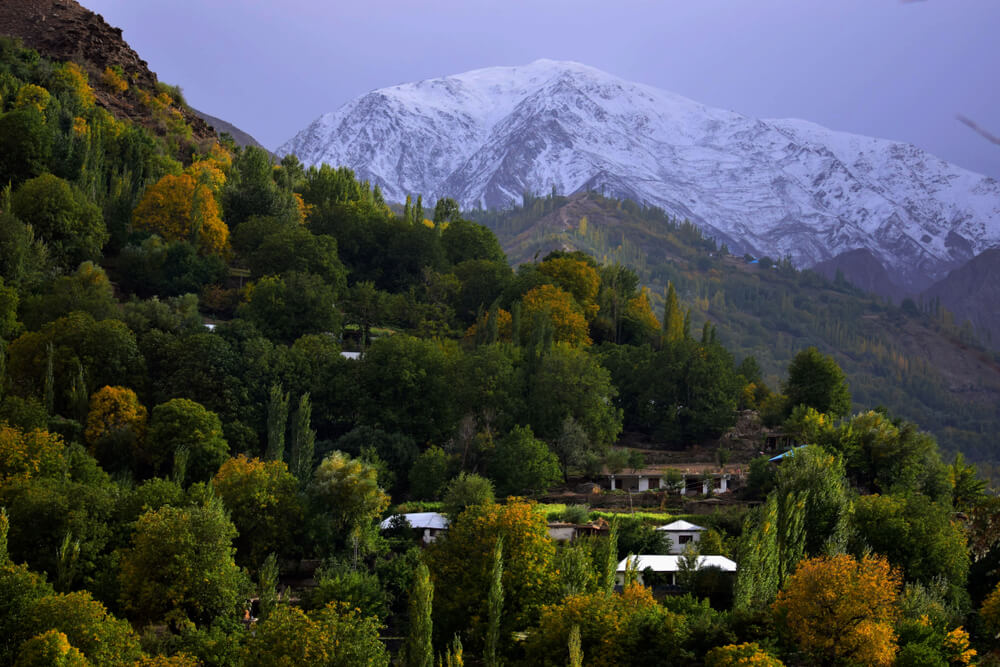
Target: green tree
(461, 565)
(345, 497)
(494, 606)
(25, 145)
(521, 463)
(263, 503)
(418, 650)
(184, 423)
(465, 490)
(303, 440)
(429, 474)
(180, 567)
(463, 240)
(569, 381)
(284, 308)
(916, 535)
(333, 637)
(70, 224)
(277, 419)
(816, 381)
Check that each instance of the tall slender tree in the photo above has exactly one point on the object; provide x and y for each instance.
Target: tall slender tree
(495, 606)
(418, 651)
(303, 440)
(277, 419)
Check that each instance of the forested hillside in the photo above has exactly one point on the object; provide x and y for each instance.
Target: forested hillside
(223, 378)
(913, 359)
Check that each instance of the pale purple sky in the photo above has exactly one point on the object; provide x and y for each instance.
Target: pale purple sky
(900, 70)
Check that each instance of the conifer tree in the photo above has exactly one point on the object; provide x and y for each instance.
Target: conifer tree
(495, 606)
(418, 651)
(418, 211)
(277, 418)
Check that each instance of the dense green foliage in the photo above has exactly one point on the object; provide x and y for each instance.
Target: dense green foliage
(161, 481)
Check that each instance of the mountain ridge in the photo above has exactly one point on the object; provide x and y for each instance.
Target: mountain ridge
(766, 186)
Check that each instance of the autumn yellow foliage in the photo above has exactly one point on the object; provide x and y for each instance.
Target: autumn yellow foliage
(26, 455)
(576, 277)
(30, 95)
(114, 409)
(71, 76)
(990, 612)
(741, 655)
(640, 311)
(180, 208)
(843, 609)
(956, 647)
(563, 313)
(114, 81)
(504, 324)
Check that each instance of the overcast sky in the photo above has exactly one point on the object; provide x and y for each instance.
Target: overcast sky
(900, 70)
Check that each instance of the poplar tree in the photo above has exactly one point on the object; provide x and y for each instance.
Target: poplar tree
(50, 390)
(575, 648)
(303, 440)
(673, 317)
(418, 651)
(610, 572)
(277, 418)
(495, 606)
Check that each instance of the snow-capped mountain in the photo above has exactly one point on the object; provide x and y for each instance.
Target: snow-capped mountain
(773, 187)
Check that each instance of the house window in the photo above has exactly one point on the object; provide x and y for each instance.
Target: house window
(683, 539)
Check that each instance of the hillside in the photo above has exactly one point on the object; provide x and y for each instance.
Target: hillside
(764, 186)
(918, 365)
(972, 293)
(64, 30)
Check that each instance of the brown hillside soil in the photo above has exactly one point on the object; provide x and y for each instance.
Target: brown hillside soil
(63, 30)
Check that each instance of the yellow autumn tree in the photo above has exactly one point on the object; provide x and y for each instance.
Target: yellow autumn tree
(180, 208)
(503, 325)
(71, 77)
(841, 610)
(557, 307)
(990, 612)
(114, 409)
(32, 454)
(749, 654)
(30, 95)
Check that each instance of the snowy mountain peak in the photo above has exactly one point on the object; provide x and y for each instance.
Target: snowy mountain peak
(775, 187)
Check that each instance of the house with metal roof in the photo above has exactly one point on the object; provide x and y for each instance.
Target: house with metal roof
(667, 566)
(681, 533)
(428, 524)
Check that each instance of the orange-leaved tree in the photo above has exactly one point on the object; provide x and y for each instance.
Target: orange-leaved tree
(841, 610)
(556, 307)
(180, 208)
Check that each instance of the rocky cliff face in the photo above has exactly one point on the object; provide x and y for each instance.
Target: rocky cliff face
(64, 30)
(768, 187)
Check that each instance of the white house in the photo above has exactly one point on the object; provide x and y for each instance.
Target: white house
(680, 534)
(669, 566)
(430, 524)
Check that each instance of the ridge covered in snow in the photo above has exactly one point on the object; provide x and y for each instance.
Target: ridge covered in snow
(773, 187)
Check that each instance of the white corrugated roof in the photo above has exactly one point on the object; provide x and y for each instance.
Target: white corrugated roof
(659, 563)
(680, 525)
(420, 520)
